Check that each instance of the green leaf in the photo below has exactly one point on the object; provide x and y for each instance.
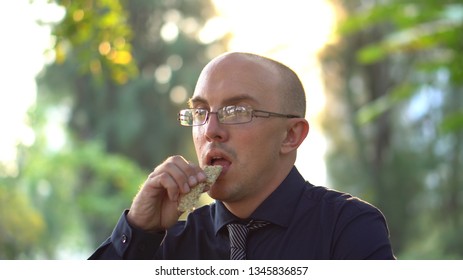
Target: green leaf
(452, 122)
(376, 108)
(371, 54)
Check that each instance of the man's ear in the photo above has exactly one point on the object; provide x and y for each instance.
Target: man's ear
(295, 134)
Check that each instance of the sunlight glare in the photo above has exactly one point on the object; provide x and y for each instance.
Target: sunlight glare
(22, 51)
(293, 32)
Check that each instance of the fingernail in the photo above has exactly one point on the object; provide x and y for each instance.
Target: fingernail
(192, 181)
(201, 176)
(186, 188)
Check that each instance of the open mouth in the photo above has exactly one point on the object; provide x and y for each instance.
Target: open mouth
(219, 159)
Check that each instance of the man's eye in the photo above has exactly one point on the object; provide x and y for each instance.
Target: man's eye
(199, 112)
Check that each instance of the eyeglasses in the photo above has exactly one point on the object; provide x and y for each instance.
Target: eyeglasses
(225, 115)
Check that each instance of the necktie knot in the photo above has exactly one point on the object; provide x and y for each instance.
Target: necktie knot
(238, 234)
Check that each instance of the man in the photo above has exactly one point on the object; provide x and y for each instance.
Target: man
(247, 115)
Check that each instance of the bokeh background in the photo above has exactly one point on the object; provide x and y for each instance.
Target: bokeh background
(90, 91)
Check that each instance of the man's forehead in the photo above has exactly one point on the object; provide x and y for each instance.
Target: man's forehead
(234, 78)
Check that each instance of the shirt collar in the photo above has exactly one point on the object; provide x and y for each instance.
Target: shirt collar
(277, 209)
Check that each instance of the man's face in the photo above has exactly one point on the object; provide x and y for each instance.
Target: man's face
(249, 152)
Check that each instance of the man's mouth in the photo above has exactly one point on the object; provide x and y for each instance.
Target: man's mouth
(218, 159)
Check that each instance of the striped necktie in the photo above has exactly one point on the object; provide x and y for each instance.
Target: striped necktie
(238, 234)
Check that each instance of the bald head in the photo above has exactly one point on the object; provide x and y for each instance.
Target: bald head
(291, 95)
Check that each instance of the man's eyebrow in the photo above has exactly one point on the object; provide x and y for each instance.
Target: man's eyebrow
(231, 100)
(196, 100)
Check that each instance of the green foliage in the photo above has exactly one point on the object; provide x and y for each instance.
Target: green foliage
(452, 122)
(98, 35)
(398, 83)
(112, 93)
(60, 194)
(381, 105)
(427, 30)
(23, 225)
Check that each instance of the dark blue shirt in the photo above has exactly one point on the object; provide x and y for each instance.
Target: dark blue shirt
(307, 222)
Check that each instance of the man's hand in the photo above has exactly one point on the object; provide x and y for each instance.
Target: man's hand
(155, 206)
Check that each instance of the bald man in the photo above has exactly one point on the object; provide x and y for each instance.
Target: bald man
(247, 114)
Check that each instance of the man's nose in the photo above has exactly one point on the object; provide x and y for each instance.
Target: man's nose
(213, 129)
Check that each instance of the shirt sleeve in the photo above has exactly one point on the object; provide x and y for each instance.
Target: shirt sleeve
(362, 234)
(127, 242)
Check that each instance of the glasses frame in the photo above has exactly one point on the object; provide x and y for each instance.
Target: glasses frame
(254, 114)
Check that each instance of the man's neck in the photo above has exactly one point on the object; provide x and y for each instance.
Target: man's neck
(244, 208)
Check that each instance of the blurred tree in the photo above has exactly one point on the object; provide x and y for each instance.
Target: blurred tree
(394, 74)
(42, 206)
(105, 114)
(22, 226)
(133, 114)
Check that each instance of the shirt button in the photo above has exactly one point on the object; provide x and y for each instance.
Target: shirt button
(124, 239)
